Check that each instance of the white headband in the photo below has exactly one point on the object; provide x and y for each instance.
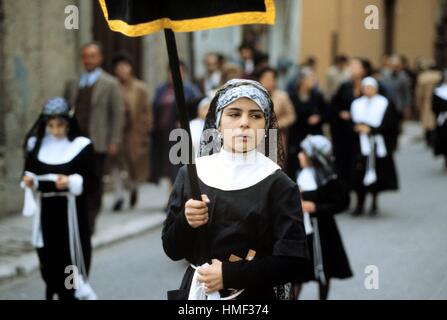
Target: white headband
(250, 89)
(370, 81)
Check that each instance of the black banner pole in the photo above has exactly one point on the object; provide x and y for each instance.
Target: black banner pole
(174, 65)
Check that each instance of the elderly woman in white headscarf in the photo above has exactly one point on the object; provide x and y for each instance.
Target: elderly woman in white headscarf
(374, 123)
(246, 237)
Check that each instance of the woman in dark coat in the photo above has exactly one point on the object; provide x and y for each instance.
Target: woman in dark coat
(323, 196)
(248, 226)
(310, 110)
(340, 118)
(58, 176)
(439, 103)
(374, 123)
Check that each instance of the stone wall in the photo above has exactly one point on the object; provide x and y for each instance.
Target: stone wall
(38, 55)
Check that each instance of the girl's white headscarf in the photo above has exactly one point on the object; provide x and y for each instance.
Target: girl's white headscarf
(241, 88)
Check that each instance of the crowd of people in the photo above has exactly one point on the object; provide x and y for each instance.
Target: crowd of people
(263, 228)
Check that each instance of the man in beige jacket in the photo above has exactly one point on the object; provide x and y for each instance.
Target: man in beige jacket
(97, 100)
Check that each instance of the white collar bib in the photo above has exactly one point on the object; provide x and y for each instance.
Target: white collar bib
(54, 151)
(441, 91)
(369, 110)
(230, 171)
(306, 180)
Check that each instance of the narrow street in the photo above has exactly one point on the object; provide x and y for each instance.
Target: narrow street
(406, 242)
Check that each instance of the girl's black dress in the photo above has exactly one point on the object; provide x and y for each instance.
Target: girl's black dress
(265, 217)
(54, 257)
(330, 199)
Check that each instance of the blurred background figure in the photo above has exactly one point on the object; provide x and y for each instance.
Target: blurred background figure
(283, 107)
(440, 110)
(399, 85)
(212, 78)
(336, 75)
(196, 125)
(310, 63)
(412, 77)
(231, 71)
(309, 107)
(99, 110)
(247, 59)
(374, 121)
(343, 138)
(166, 120)
(133, 158)
(428, 78)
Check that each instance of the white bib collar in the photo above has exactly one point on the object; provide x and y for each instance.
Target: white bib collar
(441, 91)
(234, 171)
(306, 180)
(369, 110)
(54, 151)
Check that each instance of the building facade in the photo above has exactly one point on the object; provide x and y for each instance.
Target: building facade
(407, 27)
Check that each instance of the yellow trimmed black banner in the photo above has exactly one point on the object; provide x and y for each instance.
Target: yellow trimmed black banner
(141, 17)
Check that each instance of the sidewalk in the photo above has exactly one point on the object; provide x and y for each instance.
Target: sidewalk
(18, 257)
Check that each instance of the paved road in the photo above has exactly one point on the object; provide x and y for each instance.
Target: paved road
(134, 269)
(406, 242)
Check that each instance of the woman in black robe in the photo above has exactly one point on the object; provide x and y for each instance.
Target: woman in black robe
(340, 118)
(439, 104)
(374, 123)
(249, 225)
(58, 176)
(323, 196)
(311, 113)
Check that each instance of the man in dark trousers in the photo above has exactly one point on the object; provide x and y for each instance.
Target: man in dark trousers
(99, 108)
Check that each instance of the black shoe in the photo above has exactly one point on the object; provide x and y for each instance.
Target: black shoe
(374, 211)
(118, 206)
(357, 212)
(133, 198)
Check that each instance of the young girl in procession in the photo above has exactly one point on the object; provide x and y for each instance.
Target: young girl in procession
(246, 236)
(323, 195)
(439, 104)
(374, 124)
(58, 175)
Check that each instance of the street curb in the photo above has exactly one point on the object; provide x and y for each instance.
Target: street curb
(28, 262)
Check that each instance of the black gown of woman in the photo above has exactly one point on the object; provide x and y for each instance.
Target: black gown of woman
(384, 165)
(54, 256)
(315, 105)
(265, 217)
(341, 130)
(439, 104)
(343, 137)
